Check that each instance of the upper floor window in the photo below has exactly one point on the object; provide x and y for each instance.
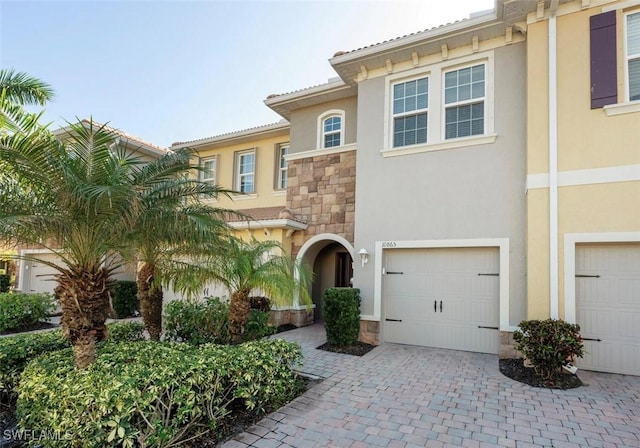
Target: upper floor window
(332, 132)
(633, 55)
(208, 173)
(283, 150)
(464, 98)
(410, 111)
(331, 128)
(245, 171)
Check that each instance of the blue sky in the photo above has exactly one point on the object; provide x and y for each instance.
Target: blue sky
(168, 71)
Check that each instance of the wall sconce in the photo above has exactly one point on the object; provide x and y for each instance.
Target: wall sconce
(364, 256)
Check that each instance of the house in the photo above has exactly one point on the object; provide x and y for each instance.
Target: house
(33, 276)
(583, 175)
(252, 163)
(430, 129)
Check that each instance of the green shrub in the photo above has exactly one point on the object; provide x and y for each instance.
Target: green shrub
(548, 345)
(5, 282)
(124, 298)
(152, 394)
(260, 303)
(18, 310)
(16, 351)
(197, 322)
(258, 326)
(126, 331)
(341, 311)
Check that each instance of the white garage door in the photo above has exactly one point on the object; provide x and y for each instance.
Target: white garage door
(608, 306)
(40, 277)
(444, 297)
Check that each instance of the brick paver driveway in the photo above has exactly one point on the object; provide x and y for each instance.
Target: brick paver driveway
(405, 396)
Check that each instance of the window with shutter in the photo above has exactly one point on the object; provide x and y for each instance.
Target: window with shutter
(633, 55)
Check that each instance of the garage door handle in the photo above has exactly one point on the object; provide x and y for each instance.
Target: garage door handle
(592, 339)
(586, 276)
(393, 320)
(488, 328)
(441, 306)
(435, 306)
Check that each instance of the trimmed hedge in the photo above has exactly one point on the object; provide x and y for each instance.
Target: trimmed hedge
(17, 351)
(18, 310)
(549, 344)
(124, 298)
(341, 311)
(153, 394)
(203, 322)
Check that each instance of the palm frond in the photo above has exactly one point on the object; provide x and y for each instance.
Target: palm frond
(23, 89)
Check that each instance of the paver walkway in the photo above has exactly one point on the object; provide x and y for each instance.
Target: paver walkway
(406, 396)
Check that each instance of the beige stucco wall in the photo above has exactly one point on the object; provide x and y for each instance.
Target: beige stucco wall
(587, 139)
(304, 123)
(266, 162)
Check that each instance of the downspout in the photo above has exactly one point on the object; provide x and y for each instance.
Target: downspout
(553, 164)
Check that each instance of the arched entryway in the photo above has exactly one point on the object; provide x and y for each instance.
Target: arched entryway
(331, 257)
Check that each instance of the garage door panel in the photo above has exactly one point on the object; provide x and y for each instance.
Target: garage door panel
(448, 276)
(608, 306)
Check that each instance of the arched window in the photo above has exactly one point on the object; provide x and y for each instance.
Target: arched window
(331, 129)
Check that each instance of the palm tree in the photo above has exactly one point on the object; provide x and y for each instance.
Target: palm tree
(245, 266)
(173, 224)
(17, 90)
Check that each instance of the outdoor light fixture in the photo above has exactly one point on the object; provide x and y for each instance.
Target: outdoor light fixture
(364, 256)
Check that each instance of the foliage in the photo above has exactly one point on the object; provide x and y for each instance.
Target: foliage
(5, 282)
(196, 322)
(16, 351)
(153, 394)
(341, 311)
(258, 326)
(124, 299)
(549, 344)
(260, 303)
(18, 310)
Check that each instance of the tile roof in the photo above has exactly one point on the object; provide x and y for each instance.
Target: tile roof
(264, 214)
(127, 136)
(262, 127)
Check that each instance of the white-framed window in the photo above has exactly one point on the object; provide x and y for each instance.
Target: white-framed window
(208, 173)
(410, 106)
(282, 151)
(632, 24)
(331, 128)
(246, 171)
(464, 98)
(444, 105)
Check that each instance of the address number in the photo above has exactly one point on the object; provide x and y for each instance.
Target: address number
(388, 244)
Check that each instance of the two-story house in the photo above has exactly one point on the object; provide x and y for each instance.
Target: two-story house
(583, 175)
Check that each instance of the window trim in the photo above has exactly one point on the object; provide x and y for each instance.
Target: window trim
(325, 116)
(203, 171)
(237, 181)
(627, 57)
(463, 103)
(278, 167)
(435, 118)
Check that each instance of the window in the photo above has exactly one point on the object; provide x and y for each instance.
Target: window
(410, 109)
(245, 171)
(208, 173)
(464, 95)
(633, 55)
(283, 150)
(332, 132)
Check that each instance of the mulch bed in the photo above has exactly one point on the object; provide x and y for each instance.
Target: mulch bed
(357, 349)
(515, 369)
(36, 326)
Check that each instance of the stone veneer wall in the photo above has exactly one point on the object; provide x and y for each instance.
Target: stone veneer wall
(322, 192)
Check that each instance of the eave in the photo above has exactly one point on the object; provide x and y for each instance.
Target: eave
(238, 137)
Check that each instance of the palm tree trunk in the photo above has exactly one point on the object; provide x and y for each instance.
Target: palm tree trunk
(84, 298)
(150, 298)
(238, 315)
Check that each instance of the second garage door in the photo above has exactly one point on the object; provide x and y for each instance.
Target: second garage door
(442, 297)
